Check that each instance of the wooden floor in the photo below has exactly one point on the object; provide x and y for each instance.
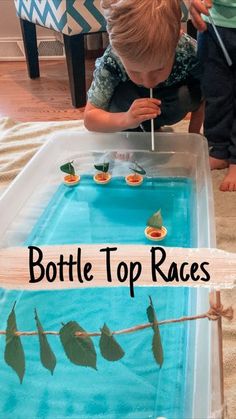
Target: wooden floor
(44, 99)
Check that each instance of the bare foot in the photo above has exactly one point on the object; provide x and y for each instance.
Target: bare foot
(218, 164)
(229, 182)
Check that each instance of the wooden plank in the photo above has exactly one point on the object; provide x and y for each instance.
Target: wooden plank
(44, 99)
(57, 267)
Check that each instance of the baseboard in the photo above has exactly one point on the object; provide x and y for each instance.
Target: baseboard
(12, 49)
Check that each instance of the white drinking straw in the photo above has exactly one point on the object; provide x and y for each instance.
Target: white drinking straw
(152, 125)
(225, 52)
(222, 45)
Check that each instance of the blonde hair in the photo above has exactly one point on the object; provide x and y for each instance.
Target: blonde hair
(143, 29)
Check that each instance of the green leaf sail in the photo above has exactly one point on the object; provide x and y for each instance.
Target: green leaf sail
(14, 354)
(110, 349)
(47, 356)
(156, 341)
(138, 169)
(102, 167)
(68, 168)
(79, 350)
(155, 220)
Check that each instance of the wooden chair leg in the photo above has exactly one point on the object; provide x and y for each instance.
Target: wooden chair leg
(75, 57)
(28, 30)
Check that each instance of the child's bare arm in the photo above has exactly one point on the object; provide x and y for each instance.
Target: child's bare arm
(99, 120)
(197, 119)
(197, 7)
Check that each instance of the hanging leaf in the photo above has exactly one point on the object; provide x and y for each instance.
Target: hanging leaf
(156, 341)
(157, 348)
(47, 356)
(68, 168)
(102, 167)
(138, 169)
(14, 354)
(155, 220)
(110, 349)
(79, 350)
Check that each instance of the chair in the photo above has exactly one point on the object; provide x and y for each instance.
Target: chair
(74, 19)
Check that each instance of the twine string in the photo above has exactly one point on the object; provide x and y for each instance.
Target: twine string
(214, 313)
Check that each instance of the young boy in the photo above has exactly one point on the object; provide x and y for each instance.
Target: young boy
(219, 83)
(146, 51)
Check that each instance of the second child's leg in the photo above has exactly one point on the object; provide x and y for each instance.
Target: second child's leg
(218, 80)
(229, 182)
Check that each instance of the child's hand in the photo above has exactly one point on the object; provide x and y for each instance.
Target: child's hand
(142, 110)
(196, 8)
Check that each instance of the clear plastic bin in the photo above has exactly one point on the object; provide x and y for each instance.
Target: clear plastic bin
(175, 155)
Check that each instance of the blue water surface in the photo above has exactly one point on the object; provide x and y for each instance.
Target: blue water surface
(134, 387)
(116, 213)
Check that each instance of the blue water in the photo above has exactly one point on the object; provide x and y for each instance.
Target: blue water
(134, 387)
(116, 213)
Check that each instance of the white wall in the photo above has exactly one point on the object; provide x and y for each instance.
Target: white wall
(9, 24)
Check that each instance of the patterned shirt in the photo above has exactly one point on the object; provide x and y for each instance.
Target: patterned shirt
(109, 72)
(223, 13)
